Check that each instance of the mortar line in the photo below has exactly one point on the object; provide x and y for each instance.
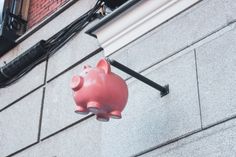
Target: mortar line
(20, 98)
(77, 63)
(67, 127)
(143, 152)
(46, 71)
(42, 101)
(22, 149)
(186, 47)
(185, 136)
(198, 88)
(41, 114)
(36, 143)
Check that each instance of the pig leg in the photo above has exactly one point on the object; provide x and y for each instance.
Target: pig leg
(81, 110)
(94, 107)
(115, 114)
(103, 117)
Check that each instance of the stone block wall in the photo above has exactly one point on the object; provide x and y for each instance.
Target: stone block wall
(194, 52)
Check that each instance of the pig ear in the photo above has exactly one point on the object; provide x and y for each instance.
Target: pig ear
(103, 64)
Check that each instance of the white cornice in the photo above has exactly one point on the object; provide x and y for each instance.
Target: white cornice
(136, 21)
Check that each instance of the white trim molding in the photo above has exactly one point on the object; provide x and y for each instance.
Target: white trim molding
(136, 21)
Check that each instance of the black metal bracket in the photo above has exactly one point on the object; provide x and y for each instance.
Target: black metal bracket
(163, 89)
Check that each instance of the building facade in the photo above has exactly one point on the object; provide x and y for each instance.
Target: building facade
(193, 50)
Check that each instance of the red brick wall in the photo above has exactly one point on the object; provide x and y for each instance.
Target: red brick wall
(40, 9)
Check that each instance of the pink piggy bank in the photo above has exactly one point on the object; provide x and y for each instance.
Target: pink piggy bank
(99, 91)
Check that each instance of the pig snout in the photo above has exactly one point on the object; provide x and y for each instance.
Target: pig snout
(77, 82)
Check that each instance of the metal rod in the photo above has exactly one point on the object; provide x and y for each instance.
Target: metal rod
(163, 89)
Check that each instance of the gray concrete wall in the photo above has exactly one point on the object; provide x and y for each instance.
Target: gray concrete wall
(195, 53)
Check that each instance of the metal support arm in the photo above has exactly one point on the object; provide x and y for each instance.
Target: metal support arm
(163, 89)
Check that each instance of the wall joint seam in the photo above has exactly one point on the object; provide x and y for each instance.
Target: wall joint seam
(198, 88)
